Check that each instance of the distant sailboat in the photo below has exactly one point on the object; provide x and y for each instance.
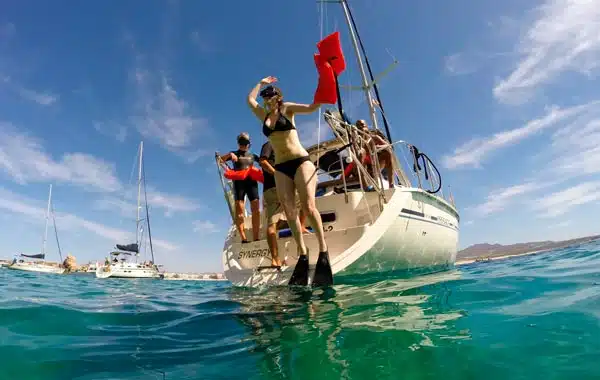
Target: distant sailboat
(120, 265)
(38, 264)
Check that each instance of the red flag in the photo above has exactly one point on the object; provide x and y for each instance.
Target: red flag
(326, 92)
(330, 48)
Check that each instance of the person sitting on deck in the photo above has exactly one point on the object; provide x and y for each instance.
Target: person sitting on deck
(384, 156)
(243, 159)
(271, 204)
(365, 151)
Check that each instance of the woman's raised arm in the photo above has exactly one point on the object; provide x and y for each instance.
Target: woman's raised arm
(254, 106)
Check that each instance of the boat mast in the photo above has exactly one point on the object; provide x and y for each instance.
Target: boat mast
(365, 83)
(137, 220)
(148, 218)
(46, 227)
(56, 234)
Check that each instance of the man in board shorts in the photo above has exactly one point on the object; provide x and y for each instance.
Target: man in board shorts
(271, 205)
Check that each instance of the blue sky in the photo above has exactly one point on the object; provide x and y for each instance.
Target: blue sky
(503, 96)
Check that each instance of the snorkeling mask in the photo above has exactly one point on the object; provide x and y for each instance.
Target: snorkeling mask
(243, 140)
(269, 92)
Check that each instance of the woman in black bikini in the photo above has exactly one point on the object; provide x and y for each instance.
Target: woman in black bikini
(293, 172)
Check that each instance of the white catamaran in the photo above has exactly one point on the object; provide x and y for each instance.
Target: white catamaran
(121, 264)
(37, 262)
(370, 228)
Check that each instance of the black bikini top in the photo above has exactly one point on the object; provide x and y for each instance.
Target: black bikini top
(282, 124)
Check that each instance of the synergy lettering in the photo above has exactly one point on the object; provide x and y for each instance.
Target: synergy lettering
(253, 253)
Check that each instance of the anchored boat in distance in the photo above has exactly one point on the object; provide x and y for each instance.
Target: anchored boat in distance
(37, 262)
(123, 262)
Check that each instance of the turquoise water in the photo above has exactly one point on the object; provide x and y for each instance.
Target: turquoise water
(533, 317)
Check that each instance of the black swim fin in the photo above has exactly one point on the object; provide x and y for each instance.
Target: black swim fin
(323, 275)
(300, 275)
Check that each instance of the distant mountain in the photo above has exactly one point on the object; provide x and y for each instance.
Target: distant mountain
(492, 250)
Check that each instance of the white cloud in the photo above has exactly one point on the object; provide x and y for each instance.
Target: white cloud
(126, 205)
(14, 203)
(460, 64)
(475, 151)
(164, 116)
(205, 226)
(563, 224)
(24, 158)
(573, 151)
(565, 36)
(497, 200)
(561, 202)
(200, 42)
(116, 130)
(41, 98)
(575, 148)
(124, 208)
(170, 202)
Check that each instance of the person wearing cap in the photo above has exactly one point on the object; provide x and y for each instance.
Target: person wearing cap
(271, 205)
(294, 173)
(242, 159)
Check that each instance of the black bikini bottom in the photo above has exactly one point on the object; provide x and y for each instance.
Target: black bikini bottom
(290, 167)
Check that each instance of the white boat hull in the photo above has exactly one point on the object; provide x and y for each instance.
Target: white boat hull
(36, 267)
(415, 231)
(127, 270)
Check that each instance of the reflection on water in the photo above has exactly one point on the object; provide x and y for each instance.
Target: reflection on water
(289, 327)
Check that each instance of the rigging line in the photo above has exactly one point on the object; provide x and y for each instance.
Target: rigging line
(147, 213)
(56, 233)
(124, 195)
(319, 110)
(385, 122)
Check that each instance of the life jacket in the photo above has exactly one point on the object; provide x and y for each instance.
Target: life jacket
(365, 161)
(330, 62)
(252, 173)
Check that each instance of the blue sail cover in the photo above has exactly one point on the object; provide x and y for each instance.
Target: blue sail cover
(129, 247)
(37, 256)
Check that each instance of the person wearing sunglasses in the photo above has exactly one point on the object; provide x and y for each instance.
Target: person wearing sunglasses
(294, 172)
(242, 159)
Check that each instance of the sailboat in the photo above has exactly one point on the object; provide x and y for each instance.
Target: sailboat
(36, 262)
(123, 262)
(371, 228)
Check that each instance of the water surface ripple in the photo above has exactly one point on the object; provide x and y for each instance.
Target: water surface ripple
(532, 317)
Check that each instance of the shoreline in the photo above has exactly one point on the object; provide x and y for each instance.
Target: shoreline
(467, 261)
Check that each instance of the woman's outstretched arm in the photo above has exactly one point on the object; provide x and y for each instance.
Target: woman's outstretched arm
(300, 108)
